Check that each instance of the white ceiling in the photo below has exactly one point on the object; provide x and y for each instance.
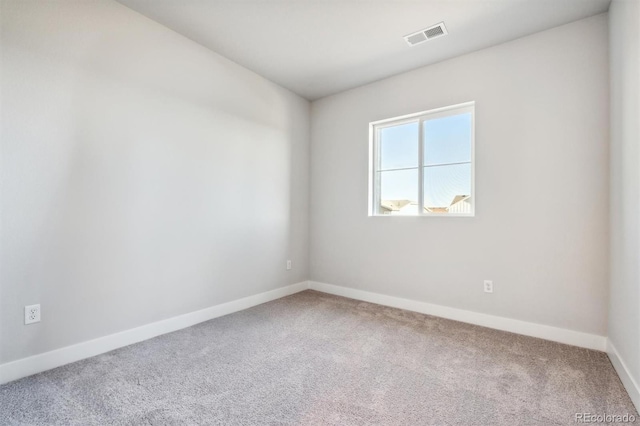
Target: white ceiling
(320, 47)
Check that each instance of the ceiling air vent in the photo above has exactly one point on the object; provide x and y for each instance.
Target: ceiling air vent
(430, 33)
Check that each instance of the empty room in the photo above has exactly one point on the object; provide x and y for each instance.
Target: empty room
(319, 212)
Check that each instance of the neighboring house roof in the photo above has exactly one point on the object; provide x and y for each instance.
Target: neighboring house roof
(399, 205)
(436, 209)
(459, 198)
(394, 205)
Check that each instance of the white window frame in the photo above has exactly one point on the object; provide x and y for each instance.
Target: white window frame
(420, 118)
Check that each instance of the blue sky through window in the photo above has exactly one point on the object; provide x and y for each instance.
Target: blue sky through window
(446, 140)
(399, 146)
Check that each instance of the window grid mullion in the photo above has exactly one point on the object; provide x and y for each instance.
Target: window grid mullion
(399, 169)
(376, 175)
(420, 167)
(448, 164)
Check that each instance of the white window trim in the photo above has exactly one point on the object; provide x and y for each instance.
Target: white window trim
(420, 117)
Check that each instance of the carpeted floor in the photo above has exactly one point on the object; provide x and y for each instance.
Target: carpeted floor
(312, 359)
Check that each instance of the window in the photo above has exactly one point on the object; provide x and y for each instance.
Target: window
(422, 164)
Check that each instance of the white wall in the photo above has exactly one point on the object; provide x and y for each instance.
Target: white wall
(143, 176)
(624, 311)
(541, 225)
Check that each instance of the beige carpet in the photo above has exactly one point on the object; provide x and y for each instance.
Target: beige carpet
(315, 359)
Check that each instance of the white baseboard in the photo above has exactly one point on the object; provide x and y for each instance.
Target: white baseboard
(569, 337)
(56, 358)
(35, 364)
(630, 384)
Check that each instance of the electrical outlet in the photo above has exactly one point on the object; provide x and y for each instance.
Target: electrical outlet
(488, 286)
(288, 265)
(31, 314)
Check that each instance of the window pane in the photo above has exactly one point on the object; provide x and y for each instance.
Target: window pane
(399, 146)
(399, 192)
(447, 140)
(447, 189)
